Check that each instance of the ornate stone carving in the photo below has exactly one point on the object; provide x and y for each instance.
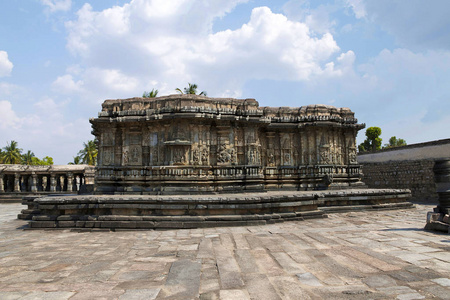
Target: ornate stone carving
(352, 156)
(227, 155)
(108, 158)
(196, 157)
(205, 156)
(325, 155)
(229, 138)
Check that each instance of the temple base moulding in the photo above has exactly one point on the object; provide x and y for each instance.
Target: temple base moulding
(115, 212)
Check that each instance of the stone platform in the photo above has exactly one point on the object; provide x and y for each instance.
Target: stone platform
(350, 256)
(196, 211)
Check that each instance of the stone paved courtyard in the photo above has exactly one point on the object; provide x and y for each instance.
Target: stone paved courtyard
(358, 255)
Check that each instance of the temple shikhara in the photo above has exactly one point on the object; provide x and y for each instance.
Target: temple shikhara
(196, 144)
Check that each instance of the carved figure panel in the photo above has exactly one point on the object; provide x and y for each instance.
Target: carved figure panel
(108, 156)
(205, 157)
(226, 154)
(135, 155)
(324, 153)
(125, 155)
(352, 156)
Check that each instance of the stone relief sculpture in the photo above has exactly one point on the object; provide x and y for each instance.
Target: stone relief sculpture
(172, 135)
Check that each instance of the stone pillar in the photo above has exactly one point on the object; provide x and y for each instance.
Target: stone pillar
(62, 181)
(52, 183)
(17, 182)
(2, 190)
(69, 181)
(33, 183)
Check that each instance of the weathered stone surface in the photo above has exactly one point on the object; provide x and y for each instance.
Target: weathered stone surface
(183, 280)
(182, 264)
(242, 209)
(182, 144)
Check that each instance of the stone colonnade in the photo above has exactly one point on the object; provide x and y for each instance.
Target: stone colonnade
(44, 179)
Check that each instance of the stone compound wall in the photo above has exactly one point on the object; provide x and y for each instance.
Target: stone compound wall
(408, 167)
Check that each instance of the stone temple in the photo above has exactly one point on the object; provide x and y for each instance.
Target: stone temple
(188, 161)
(196, 144)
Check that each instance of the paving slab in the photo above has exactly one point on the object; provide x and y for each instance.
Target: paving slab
(355, 255)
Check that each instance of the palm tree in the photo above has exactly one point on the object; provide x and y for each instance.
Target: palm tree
(151, 94)
(12, 154)
(191, 89)
(27, 158)
(89, 153)
(76, 161)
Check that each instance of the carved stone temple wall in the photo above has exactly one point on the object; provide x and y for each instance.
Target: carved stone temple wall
(196, 144)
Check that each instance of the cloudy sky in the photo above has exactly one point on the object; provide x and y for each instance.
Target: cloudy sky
(388, 60)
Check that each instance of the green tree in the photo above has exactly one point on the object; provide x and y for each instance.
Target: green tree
(394, 142)
(151, 94)
(372, 141)
(89, 153)
(27, 158)
(76, 161)
(191, 89)
(46, 161)
(12, 154)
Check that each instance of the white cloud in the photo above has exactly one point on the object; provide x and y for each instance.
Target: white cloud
(8, 118)
(415, 24)
(57, 5)
(403, 92)
(318, 19)
(66, 84)
(358, 8)
(147, 42)
(7, 89)
(5, 65)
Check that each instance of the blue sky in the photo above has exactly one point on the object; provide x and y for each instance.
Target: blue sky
(388, 60)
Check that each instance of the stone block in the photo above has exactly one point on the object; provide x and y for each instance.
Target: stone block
(42, 224)
(66, 224)
(89, 224)
(80, 224)
(145, 224)
(43, 218)
(126, 224)
(67, 218)
(433, 217)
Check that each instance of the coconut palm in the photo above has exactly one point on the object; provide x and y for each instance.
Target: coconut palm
(27, 158)
(191, 89)
(89, 153)
(12, 154)
(76, 161)
(151, 94)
